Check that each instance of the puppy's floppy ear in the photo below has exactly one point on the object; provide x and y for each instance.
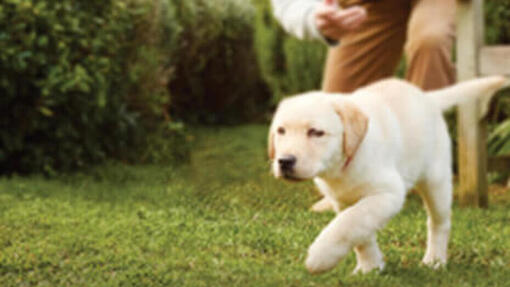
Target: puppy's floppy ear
(355, 125)
(270, 144)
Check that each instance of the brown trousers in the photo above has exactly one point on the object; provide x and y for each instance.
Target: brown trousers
(423, 28)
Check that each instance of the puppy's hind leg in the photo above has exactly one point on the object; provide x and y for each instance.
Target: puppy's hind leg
(437, 197)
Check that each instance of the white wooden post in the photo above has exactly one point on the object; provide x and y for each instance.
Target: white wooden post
(472, 128)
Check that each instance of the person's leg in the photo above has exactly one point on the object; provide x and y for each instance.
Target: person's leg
(372, 52)
(430, 36)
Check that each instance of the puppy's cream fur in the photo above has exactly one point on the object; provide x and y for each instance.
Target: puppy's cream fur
(377, 144)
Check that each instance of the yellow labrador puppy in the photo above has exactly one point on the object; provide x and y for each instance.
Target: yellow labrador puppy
(364, 152)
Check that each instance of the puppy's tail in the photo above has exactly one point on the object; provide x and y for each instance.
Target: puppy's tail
(483, 88)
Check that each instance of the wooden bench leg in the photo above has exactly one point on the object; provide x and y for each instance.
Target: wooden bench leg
(472, 128)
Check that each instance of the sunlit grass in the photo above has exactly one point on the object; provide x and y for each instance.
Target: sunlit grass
(220, 220)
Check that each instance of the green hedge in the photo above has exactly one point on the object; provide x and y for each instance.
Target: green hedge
(289, 65)
(497, 17)
(217, 76)
(497, 21)
(81, 80)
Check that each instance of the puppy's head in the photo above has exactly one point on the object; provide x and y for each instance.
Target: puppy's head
(313, 134)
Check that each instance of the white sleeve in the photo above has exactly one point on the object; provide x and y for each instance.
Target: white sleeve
(298, 17)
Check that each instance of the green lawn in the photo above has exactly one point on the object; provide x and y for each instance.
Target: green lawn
(220, 220)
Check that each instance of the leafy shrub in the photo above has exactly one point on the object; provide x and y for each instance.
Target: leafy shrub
(500, 139)
(217, 77)
(497, 20)
(80, 80)
(288, 64)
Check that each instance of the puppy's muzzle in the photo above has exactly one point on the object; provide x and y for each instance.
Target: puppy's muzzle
(286, 164)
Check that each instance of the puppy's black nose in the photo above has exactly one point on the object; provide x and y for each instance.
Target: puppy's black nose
(287, 163)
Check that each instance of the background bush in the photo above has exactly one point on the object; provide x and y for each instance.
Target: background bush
(288, 65)
(497, 17)
(497, 21)
(81, 81)
(217, 79)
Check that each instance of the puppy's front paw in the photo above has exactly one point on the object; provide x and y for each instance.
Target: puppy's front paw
(324, 256)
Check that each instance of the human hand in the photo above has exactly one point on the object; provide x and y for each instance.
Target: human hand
(334, 23)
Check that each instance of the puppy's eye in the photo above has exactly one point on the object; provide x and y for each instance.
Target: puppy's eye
(315, 133)
(281, 131)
